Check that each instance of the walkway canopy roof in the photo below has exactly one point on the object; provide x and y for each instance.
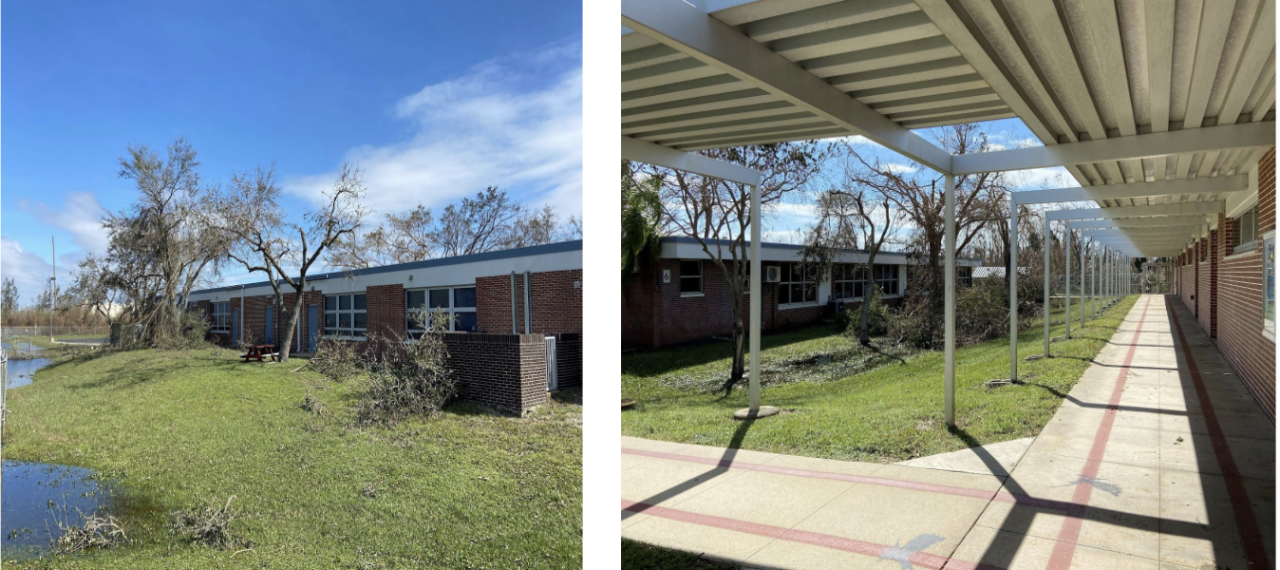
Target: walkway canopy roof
(1144, 103)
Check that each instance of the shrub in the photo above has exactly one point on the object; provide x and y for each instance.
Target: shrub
(97, 531)
(312, 404)
(335, 360)
(193, 331)
(407, 377)
(878, 317)
(209, 526)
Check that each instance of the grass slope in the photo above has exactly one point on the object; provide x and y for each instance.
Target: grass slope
(179, 429)
(892, 412)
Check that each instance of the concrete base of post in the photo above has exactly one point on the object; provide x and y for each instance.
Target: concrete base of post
(763, 412)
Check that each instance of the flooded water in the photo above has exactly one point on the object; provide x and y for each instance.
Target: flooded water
(39, 495)
(20, 371)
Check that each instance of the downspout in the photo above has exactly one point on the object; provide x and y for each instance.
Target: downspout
(515, 321)
(240, 336)
(528, 310)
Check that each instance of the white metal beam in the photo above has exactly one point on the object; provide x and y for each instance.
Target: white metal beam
(1161, 222)
(689, 30)
(657, 155)
(1120, 212)
(1219, 138)
(1215, 185)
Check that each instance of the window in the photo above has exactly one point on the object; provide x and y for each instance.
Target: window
(690, 277)
(887, 279)
(221, 317)
(797, 285)
(1269, 284)
(848, 280)
(1244, 231)
(964, 276)
(344, 315)
(457, 303)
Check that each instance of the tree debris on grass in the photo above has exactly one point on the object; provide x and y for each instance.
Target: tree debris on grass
(96, 531)
(209, 526)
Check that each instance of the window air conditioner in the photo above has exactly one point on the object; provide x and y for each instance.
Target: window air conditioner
(772, 274)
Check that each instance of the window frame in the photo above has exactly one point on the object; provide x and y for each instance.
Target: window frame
(891, 275)
(338, 331)
(789, 281)
(1269, 284)
(1249, 219)
(453, 310)
(221, 321)
(700, 277)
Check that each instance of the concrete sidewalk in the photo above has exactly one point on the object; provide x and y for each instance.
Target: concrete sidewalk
(1155, 460)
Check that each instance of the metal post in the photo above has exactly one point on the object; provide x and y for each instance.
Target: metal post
(528, 310)
(754, 342)
(1096, 285)
(1068, 288)
(1013, 288)
(515, 319)
(53, 294)
(1084, 266)
(949, 317)
(1044, 244)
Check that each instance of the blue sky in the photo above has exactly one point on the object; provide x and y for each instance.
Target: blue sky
(434, 100)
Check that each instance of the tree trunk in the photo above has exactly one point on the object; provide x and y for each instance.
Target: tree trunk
(287, 341)
(739, 336)
(864, 337)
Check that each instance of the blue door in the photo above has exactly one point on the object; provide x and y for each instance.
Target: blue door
(313, 326)
(271, 337)
(235, 326)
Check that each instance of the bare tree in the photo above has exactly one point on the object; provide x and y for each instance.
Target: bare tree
(8, 297)
(846, 217)
(716, 213)
(163, 245)
(265, 242)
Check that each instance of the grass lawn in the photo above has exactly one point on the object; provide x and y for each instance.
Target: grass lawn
(180, 430)
(883, 410)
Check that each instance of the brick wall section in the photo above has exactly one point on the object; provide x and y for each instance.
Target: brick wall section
(384, 310)
(1240, 338)
(503, 371)
(639, 314)
(556, 305)
(1209, 285)
(1267, 192)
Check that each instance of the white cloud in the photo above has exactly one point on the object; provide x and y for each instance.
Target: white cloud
(30, 272)
(1038, 178)
(510, 122)
(79, 215)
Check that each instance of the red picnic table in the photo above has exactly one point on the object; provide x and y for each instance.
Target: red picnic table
(260, 351)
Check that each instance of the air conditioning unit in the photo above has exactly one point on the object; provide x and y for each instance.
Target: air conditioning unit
(772, 274)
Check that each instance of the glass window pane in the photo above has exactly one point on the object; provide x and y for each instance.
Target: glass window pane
(360, 320)
(464, 297)
(688, 268)
(690, 284)
(439, 298)
(331, 303)
(416, 299)
(465, 322)
(344, 302)
(360, 300)
(344, 320)
(797, 293)
(331, 320)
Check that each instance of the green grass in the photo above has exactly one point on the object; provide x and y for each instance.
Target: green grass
(641, 556)
(891, 412)
(178, 429)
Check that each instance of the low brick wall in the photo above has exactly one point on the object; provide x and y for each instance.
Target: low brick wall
(504, 371)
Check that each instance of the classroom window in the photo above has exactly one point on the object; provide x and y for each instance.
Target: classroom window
(458, 304)
(344, 315)
(1269, 284)
(221, 316)
(848, 280)
(690, 277)
(887, 279)
(797, 285)
(1244, 231)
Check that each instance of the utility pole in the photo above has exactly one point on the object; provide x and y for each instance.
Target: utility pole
(53, 295)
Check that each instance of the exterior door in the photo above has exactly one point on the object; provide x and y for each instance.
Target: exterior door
(235, 325)
(271, 337)
(313, 326)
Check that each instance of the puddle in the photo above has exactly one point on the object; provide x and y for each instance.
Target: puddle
(20, 371)
(37, 496)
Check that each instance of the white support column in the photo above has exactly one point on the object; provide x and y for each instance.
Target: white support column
(1097, 283)
(1067, 242)
(949, 344)
(1044, 244)
(753, 393)
(1013, 288)
(1084, 266)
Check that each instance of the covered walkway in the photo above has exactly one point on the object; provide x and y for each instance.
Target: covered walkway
(1158, 458)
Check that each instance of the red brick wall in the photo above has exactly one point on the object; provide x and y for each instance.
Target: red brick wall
(1267, 192)
(1240, 338)
(1209, 285)
(384, 308)
(503, 371)
(639, 316)
(556, 306)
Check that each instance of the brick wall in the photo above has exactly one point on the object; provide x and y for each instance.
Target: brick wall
(569, 360)
(384, 310)
(503, 371)
(639, 317)
(556, 304)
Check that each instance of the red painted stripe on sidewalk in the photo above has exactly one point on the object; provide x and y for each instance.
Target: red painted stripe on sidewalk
(1246, 522)
(1001, 496)
(833, 542)
(1065, 548)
